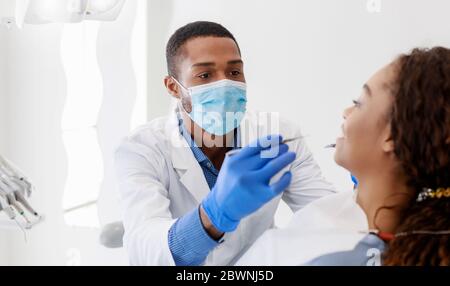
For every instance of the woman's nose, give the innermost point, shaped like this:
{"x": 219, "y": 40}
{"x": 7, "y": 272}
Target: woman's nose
{"x": 347, "y": 112}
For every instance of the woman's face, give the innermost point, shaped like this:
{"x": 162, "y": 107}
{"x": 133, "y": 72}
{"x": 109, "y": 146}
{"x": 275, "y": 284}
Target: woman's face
{"x": 365, "y": 143}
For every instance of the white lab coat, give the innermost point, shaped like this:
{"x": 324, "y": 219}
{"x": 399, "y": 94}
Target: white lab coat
{"x": 160, "y": 181}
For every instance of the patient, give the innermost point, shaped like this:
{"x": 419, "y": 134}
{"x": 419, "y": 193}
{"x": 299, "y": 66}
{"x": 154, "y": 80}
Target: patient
{"x": 396, "y": 141}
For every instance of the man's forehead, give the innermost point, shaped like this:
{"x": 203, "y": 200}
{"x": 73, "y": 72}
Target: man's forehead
{"x": 210, "y": 49}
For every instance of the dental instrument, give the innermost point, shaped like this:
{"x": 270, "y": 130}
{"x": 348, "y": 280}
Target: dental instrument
{"x": 235, "y": 151}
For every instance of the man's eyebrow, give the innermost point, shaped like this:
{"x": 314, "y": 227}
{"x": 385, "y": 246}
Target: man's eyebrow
{"x": 367, "y": 88}
{"x": 233, "y": 62}
{"x": 205, "y": 64}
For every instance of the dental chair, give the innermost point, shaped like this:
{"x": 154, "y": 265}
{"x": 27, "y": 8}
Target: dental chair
{"x": 111, "y": 235}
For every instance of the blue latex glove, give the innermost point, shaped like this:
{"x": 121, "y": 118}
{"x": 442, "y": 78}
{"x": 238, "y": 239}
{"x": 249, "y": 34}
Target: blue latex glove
{"x": 242, "y": 186}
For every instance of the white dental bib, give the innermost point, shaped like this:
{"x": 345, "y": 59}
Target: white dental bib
{"x": 331, "y": 224}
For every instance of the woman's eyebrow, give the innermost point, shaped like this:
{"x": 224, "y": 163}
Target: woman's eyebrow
{"x": 367, "y": 89}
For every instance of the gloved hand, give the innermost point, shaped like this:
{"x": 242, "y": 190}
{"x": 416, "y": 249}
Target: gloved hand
{"x": 242, "y": 186}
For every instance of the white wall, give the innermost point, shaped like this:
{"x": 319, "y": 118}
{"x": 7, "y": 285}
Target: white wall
{"x": 6, "y": 10}
{"x": 32, "y": 126}
{"x": 3, "y": 88}
{"x": 160, "y": 18}
{"x": 4, "y": 234}
{"x": 307, "y": 59}
{"x": 119, "y": 83}
{"x": 37, "y": 92}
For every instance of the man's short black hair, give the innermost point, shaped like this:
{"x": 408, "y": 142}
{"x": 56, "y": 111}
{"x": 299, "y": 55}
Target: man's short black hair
{"x": 188, "y": 32}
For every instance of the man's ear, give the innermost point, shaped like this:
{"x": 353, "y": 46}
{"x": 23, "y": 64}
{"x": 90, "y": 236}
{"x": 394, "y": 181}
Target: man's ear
{"x": 171, "y": 86}
{"x": 387, "y": 145}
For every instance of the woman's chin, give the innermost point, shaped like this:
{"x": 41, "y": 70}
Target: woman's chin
{"x": 338, "y": 156}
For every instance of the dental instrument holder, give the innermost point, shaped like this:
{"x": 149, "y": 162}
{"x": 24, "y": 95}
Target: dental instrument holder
{"x": 18, "y": 189}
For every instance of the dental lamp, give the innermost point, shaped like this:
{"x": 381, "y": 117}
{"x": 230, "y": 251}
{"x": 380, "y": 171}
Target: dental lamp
{"x": 66, "y": 11}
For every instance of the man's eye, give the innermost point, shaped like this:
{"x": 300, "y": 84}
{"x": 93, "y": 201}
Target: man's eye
{"x": 235, "y": 73}
{"x": 204, "y": 76}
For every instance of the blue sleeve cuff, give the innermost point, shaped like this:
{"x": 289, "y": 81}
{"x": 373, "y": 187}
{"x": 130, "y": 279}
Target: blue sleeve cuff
{"x": 188, "y": 240}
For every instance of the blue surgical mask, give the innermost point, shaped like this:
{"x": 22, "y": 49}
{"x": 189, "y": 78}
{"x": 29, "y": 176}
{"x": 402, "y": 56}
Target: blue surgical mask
{"x": 217, "y": 107}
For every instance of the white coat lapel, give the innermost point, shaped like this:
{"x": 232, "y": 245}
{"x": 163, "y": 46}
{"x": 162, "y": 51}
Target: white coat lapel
{"x": 184, "y": 162}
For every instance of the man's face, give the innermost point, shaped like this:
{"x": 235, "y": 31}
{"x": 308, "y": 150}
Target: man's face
{"x": 204, "y": 60}
{"x": 201, "y": 61}
{"x": 208, "y": 59}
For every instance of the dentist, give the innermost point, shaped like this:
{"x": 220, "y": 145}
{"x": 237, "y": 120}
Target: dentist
{"x": 185, "y": 202}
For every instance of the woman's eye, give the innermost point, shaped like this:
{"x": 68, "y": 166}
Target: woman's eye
{"x": 235, "y": 73}
{"x": 356, "y": 103}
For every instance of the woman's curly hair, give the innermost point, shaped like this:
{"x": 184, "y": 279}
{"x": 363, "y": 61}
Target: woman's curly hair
{"x": 420, "y": 126}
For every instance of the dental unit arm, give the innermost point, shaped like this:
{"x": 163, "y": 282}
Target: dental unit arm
{"x": 15, "y": 188}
